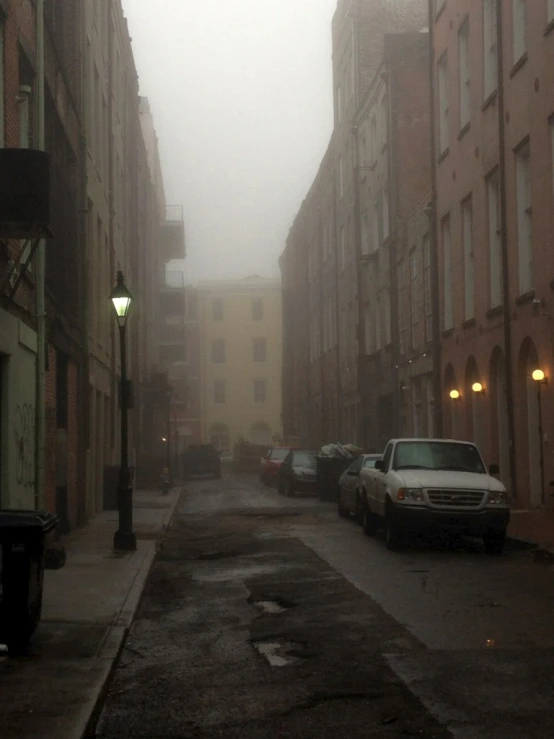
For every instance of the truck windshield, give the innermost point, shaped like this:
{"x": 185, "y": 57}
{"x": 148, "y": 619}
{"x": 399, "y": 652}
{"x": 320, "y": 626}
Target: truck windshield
{"x": 435, "y": 455}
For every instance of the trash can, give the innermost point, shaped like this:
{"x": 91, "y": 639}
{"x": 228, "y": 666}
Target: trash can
{"x": 22, "y": 544}
{"x": 329, "y": 470}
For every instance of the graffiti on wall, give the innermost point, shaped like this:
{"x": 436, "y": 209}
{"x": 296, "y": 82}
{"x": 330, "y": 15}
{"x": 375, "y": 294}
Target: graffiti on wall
{"x": 24, "y": 430}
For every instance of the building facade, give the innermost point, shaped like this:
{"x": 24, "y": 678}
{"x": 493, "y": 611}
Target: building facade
{"x": 494, "y": 92}
{"x": 240, "y": 361}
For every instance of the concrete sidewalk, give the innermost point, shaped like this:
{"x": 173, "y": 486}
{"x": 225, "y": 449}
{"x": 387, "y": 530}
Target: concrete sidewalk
{"x": 533, "y": 527}
{"x": 88, "y": 607}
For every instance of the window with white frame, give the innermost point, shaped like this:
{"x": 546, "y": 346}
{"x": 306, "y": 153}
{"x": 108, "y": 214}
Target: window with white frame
{"x": 444, "y": 105}
{"x": 469, "y": 263}
{"x": 341, "y": 178}
{"x": 260, "y": 391}
{"x": 448, "y": 308}
{"x": 490, "y": 48}
{"x": 495, "y": 240}
{"x": 342, "y": 248}
{"x": 427, "y": 286}
{"x": 465, "y": 74}
{"x": 413, "y": 298}
{"x": 524, "y": 218}
{"x": 519, "y": 27}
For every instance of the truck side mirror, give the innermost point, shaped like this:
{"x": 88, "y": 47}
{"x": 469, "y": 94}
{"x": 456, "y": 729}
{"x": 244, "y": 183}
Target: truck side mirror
{"x": 494, "y": 469}
{"x": 380, "y": 465}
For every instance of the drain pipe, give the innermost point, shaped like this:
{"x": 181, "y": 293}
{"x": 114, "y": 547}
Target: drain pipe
{"x": 504, "y": 248}
{"x": 40, "y": 413}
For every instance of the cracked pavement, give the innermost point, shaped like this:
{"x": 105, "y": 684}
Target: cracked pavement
{"x": 269, "y": 617}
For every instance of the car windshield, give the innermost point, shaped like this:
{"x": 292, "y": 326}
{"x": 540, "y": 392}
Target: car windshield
{"x": 278, "y": 454}
{"x": 304, "y": 459}
{"x": 429, "y": 455}
{"x": 370, "y": 461}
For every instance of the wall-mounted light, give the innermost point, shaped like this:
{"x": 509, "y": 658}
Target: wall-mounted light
{"x": 477, "y": 387}
{"x": 539, "y": 376}
{"x": 455, "y": 394}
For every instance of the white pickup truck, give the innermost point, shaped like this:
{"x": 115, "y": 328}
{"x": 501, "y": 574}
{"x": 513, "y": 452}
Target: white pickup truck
{"x": 425, "y": 484}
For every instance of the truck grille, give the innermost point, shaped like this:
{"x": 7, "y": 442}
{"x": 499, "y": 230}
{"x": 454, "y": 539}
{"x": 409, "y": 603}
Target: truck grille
{"x": 456, "y": 498}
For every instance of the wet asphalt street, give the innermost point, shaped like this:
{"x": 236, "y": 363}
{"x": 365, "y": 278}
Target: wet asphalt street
{"x": 270, "y": 617}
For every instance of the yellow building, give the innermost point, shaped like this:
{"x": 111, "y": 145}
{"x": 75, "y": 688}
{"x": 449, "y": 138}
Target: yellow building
{"x": 240, "y": 360}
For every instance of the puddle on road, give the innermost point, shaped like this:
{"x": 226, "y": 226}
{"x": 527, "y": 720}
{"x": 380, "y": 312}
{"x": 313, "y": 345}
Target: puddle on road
{"x": 243, "y": 572}
{"x": 208, "y": 556}
{"x": 278, "y": 654}
{"x": 269, "y": 606}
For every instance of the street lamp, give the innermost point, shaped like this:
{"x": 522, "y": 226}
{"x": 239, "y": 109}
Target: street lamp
{"x": 477, "y": 388}
{"x": 541, "y": 379}
{"x": 455, "y": 394}
{"x": 124, "y": 537}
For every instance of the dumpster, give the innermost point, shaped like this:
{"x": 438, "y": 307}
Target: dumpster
{"x": 22, "y": 544}
{"x": 329, "y": 470}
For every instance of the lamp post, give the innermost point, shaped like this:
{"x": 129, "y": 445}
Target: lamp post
{"x": 124, "y": 538}
{"x": 540, "y": 379}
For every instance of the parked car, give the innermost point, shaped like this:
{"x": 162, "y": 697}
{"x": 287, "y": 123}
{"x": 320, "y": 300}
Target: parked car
{"x": 425, "y": 484}
{"x": 349, "y": 497}
{"x": 271, "y": 464}
{"x": 298, "y": 472}
{"x": 201, "y": 459}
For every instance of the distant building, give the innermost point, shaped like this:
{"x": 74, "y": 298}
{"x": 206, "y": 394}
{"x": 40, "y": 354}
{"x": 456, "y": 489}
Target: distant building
{"x": 240, "y": 330}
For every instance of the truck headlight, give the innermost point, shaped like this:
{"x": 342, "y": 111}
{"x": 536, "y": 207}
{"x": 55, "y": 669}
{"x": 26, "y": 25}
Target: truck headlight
{"x": 413, "y": 495}
{"x": 496, "y": 497}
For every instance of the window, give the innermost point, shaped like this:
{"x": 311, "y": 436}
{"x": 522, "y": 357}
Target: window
{"x": 373, "y": 144}
{"x": 447, "y": 259}
{"x": 401, "y": 308}
{"x": 550, "y": 11}
{"x": 444, "y": 137}
{"x": 495, "y": 240}
{"x": 341, "y": 178}
{"x": 367, "y": 329}
{"x": 257, "y": 309}
{"x": 260, "y": 350}
{"x": 524, "y": 218}
{"x": 218, "y": 351}
{"x": 465, "y": 77}
{"x": 385, "y": 303}
{"x": 376, "y": 225}
{"x": 342, "y": 248}
{"x": 519, "y": 26}
{"x": 469, "y": 263}
{"x": 385, "y": 214}
{"x": 413, "y": 298}
{"x": 219, "y": 391}
{"x": 366, "y": 241}
{"x": 217, "y": 309}
{"x": 377, "y": 316}
{"x": 490, "y": 48}
{"x": 439, "y": 5}
{"x": 428, "y": 288}
{"x": 260, "y": 391}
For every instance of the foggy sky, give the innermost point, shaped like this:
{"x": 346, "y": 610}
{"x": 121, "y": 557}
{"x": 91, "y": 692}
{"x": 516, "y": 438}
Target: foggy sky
{"x": 241, "y": 94}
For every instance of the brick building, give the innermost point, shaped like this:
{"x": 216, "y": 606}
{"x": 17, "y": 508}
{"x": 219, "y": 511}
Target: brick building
{"x": 325, "y": 393}
{"x": 494, "y": 93}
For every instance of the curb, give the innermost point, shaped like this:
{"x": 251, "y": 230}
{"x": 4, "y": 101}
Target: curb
{"x": 122, "y": 624}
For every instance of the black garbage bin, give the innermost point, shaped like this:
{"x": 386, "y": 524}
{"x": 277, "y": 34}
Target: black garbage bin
{"x": 22, "y": 544}
{"x": 329, "y": 470}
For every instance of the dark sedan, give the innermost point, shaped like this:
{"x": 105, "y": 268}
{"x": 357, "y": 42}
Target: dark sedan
{"x": 298, "y": 473}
